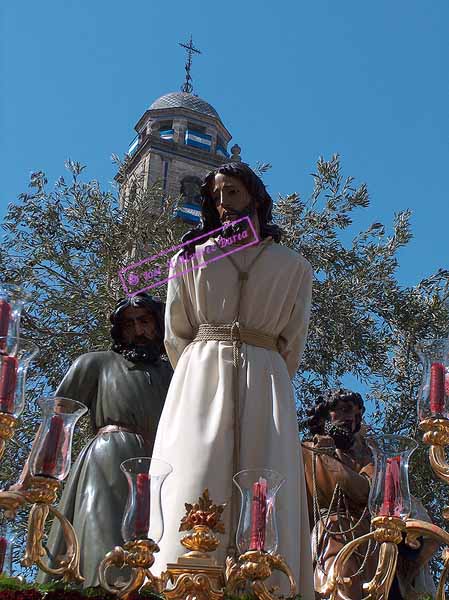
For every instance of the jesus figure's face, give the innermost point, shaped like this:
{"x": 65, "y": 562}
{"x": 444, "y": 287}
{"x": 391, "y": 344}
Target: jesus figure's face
{"x": 231, "y": 197}
{"x": 233, "y": 201}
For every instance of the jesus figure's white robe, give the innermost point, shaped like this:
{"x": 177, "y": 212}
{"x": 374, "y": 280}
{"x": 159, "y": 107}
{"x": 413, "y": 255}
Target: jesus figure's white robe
{"x": 195, "y": 433}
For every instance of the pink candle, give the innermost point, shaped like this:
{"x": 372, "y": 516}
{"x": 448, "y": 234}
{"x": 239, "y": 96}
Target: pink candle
{"x": 52, "y": 445}
{"x": 142, "y": 505}
{"x": 392, "y": 488}
{"x": 5, "y": 315}
{"x": 437, "y": 392}
{"x": 258, "y": 515}
{"x": 8, "y": 381}
{"x": 3, "y": 548}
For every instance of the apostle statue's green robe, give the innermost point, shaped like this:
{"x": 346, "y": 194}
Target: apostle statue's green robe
{"x": 122, "y": 394}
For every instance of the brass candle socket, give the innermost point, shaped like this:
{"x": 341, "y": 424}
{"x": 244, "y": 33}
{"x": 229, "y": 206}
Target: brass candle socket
{"x": 41, "y": 492}
{"x": 436, "y": 435}
{"x": 139, "y": 556}
{"x": 254, "y": 567}
{"x": 8, "y": 424}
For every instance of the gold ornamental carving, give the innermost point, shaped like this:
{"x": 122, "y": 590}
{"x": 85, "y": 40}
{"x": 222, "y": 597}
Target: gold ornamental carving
{"x": 196, "y": 574}
{"x": 8, "y": 425}
{"x": 189, "y": 586}
{"x": 204, "y": 518}
{"x": 254, "y": 567}
{"x": 139, "y": 556}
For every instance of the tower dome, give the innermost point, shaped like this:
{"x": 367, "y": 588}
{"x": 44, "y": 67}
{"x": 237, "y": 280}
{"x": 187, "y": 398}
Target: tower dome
{"x": 185, "y": 100}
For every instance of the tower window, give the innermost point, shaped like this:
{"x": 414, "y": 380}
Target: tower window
{"x": 191, "y": 190}
{"x": 196, "y": 127}
{"x": 166, "y": 130}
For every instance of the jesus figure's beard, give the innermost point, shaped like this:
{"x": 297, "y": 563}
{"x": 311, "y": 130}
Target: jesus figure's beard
{"x": 230, "y": 228}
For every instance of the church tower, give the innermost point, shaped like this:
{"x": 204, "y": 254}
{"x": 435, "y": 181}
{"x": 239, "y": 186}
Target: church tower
{"x": 180, "y": 138}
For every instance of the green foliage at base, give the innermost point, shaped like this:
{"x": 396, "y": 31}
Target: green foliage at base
{"x": 15, "y": 589}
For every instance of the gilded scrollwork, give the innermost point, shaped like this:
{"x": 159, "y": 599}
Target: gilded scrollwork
{"x": 8, "y": 424}
{"x": 139, "y": 556}
{"x": 255, "y": 567}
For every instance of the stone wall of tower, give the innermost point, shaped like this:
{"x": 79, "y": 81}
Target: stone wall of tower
{"x": 178, "y": 169}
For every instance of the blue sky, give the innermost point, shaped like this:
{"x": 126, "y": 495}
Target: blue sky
{"x": 292, "y": 80}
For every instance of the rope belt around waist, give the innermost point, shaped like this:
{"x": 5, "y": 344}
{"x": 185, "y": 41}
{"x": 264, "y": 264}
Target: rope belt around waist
{"x": 124, "y": 429}
{"x": 235, "y": 334}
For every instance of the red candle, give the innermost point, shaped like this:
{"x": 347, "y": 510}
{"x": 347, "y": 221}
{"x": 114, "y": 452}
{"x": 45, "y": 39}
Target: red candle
{"x": 142, "y": 505}
{"x": 258, "y": 515}
{"x": 437, "y": 392}
{"x": 52, "y": 445}
{"x": 5, "y": 315}
{"x": 8, "y": 381}
{"x": 392, "y": 488}
{"x": 3, "y": 547}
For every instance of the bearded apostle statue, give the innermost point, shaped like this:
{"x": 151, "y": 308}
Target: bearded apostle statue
{"x": 124, "y": 389}
{"x": 339, "y": 467}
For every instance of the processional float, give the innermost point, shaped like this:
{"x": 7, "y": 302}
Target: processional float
{"x": 197, "y": 574}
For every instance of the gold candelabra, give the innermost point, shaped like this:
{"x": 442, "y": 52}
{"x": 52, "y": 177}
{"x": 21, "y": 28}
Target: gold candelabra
{"x": 196, "y": 574}
{"x": 388, "y": 532}
{"x": 41, "y": 493}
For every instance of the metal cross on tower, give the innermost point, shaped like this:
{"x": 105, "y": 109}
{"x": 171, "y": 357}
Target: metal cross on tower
{"x": 191, "y": 50}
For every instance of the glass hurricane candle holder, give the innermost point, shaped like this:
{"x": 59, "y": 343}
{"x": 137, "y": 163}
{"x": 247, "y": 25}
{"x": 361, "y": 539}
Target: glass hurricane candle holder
{"x": 257, "y": 528}
{"x": 433, "y": 394}
{"x": 52, "y": 449}
{"x": 143, "y": 517}
{"x": 390, "y": 493}
{"x": 15, "y": 357}
{"x": 12, "y": 300}
{"x": 6, "y": 551}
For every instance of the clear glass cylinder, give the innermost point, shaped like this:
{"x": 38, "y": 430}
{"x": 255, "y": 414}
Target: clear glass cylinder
{"x": 390, "y": 492}
{"x": 6, "y": 552}
{"x": 52, "y": 449}
{"x": 433, "y": 394}
{"x": 257, "y": 528}
{"x": 12, "y": 300}
{"x": 143, "y": 518}
{"x": 15, "y": 357}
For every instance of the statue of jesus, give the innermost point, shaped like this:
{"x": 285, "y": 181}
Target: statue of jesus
{"x": 235, "y": 332}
